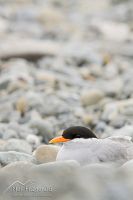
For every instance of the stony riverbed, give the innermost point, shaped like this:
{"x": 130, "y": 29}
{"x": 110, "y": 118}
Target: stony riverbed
{"x": 65, "y": 63}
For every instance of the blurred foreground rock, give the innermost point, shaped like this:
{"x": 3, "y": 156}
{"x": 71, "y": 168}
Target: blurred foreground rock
{"x": 67, "y": 180}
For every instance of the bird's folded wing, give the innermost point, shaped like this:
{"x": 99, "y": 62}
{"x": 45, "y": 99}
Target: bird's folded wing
{"x": 121, "y": 139}
{"x": 111, "y": 149}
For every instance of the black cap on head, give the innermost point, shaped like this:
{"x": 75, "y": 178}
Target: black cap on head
{"x": 78, "y": 132}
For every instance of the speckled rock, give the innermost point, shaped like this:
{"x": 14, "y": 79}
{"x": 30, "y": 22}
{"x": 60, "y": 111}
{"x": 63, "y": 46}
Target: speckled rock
{"x": 6, "y": 133}
{"x": 21, "y": 130}
{"x": 14, "y": 73}
{"x": 91, "y": 97}
{"x": 16, "y": 145}
{"x": 33, "y": 140}
{"x": 124, "y": 131}
{"x": 114, "y": 109}
{"x": 43, "y": 128}
{"x": 54, "y": 106}
{"x": 13, "y": 156}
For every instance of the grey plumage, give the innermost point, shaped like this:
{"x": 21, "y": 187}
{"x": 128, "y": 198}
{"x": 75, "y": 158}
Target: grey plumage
{"x": 93, "y": 150}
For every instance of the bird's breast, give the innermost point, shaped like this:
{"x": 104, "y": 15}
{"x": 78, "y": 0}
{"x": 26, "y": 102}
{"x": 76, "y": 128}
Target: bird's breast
{"x": 80, "y": 152}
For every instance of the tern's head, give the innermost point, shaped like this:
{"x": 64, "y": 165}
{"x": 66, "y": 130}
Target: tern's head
{"x": 72, "y": 133}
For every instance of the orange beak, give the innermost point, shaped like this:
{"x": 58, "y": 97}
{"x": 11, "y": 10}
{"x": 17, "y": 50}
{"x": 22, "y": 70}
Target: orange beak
{"x": 58, "y": 139}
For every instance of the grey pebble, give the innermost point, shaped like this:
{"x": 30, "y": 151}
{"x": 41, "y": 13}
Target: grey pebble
{"x": 13, "y": 156}
{"x": 16, "y": 145}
